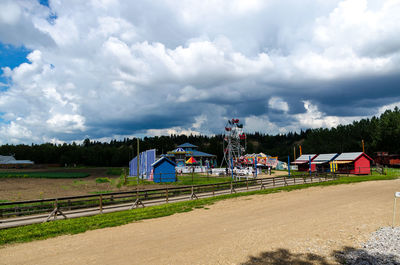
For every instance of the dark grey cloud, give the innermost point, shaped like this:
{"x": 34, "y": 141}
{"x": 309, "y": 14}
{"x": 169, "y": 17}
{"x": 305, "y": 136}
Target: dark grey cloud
{"x": 104, "y": 69}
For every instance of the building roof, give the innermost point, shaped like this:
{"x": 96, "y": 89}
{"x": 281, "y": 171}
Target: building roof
{"x": 351, "y": 156}
{"x": 9, "y": 160}
{"x": 186, "y": 145}
{"x": 161, "y": 160}
{"x": 305, "y": 157}
{"x": 6, "y": 158}
{"x": 323, "y": 158}
{"x": 199, "y": 153}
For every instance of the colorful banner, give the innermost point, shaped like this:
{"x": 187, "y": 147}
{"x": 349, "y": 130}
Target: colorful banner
{"x": 261, "y": 160}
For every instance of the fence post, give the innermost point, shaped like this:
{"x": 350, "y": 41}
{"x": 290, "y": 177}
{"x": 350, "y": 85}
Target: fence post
{"x": 101, "y": 203}
{"x": 247, "y": 184}
{"x": 193, "y": 195}
{"x": 213, "y": 188}
{"x": 294, "y": 179}
{"x": 304, "y": 179}
{"x": 55, "y": 207}
{"x": 273, "y": 181}
{"x": 166, "y": 194}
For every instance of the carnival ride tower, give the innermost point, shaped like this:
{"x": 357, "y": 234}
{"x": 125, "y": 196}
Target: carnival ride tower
{"x": 234, "y": 143}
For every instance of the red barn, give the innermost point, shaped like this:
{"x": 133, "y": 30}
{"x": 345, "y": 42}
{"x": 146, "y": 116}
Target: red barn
{"x": 357, "y": 163}
{"x": 303, "y": 162}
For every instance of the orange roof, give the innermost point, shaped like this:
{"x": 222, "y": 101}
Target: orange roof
{"x": 191, "y": 160}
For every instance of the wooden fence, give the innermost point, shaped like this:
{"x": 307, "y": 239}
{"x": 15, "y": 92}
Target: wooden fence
{"x": 139, "y": 198}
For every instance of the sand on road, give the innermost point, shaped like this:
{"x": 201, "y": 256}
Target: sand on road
{"x": 317, "y": 220}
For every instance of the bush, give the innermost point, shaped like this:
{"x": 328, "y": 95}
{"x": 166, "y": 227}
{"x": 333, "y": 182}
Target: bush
{"x": 103, "y": 180}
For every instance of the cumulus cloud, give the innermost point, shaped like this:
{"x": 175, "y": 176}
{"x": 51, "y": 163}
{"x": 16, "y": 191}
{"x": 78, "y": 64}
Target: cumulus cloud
{"x": 100, "y": 69}
{"x": 278, "y": 104}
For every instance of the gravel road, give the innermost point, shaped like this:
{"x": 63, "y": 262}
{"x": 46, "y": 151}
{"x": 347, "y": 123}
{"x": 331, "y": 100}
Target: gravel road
{"x": 299, "y": 227}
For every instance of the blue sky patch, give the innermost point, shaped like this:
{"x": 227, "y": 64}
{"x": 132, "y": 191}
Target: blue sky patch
{"x": 44, "y": 2}
{"x": 11, "y": 56}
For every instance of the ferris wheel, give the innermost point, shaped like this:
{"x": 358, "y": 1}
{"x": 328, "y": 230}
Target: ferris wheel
{"x": 234, "y": 144}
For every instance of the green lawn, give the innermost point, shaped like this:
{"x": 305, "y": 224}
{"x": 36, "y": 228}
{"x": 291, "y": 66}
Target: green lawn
{"x": 80, "y": 225}
{"x": 50, "y": 175}
{"x": 184, "y": 180}
{"x": 198, "y": 179}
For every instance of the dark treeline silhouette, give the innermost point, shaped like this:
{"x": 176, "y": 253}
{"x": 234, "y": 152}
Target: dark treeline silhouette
{"x": 379, "y": 134}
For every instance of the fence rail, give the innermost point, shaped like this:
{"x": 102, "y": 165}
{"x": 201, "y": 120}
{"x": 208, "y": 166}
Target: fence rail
{"x": 98, "y": 203}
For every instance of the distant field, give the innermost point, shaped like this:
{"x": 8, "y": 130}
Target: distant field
{"x": 49, "y": 175}
{"x": 116, "y": 171}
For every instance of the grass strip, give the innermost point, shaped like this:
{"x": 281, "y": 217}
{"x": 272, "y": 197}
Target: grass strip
{"x": 80, "y": 225}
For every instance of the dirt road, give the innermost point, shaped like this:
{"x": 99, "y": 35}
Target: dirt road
{"x": 259, "y": 229}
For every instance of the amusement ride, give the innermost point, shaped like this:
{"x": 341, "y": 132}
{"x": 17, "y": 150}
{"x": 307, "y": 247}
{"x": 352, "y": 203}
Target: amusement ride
{"x": 234, "y": 144}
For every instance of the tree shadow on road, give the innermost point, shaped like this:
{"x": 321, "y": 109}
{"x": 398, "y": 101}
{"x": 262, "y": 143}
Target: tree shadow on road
{"x": 346, "y": 255}
{"x": 284, "y": 256}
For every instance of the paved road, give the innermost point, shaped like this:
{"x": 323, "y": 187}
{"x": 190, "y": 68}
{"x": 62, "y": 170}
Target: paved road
{"x": 26, "y": 220}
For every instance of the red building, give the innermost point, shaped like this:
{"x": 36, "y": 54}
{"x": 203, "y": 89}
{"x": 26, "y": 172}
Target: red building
{"x": 303, "y": 162}
{"x": 357, "y": 163}
{"x": 384, "y": 159}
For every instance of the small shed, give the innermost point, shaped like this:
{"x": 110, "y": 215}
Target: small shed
{"x": 164, "y": 170}
{"x": 357, "y": 163}
{"x": 303, "y": 162}
{"x": 321, "y": 162}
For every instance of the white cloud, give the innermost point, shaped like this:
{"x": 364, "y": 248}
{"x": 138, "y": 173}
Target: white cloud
{"x": 106, "y": 68}
{"x": 313, "y": 118}
{"x": 262, "y": 124}
{"x": 10, "y": 12}
{"x": 278, "y": 104}
{"x": 66, "y": 123}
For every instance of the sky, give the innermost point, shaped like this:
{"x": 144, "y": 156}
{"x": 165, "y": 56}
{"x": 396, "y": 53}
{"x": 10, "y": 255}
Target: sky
{"x": 108, "y": 69}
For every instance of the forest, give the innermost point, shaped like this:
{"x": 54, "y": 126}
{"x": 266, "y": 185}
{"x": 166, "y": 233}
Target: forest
{"x": 379, "y": 134}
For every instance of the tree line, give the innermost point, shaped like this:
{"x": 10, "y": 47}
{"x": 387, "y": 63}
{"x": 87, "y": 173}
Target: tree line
{"x": 379, "y": 134}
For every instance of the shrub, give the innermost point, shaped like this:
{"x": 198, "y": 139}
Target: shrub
{"x": 103, "y": 180}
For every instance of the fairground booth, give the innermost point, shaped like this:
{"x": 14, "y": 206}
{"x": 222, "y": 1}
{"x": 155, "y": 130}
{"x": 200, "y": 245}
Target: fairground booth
{"x": 357, "y": 163}
{"x": 261, "y": 159}
{"x": 164, "y": 170}
{"x": 322, "y": 162}
{"x": 303, "y": 162}
{"x": 187, "y": 150}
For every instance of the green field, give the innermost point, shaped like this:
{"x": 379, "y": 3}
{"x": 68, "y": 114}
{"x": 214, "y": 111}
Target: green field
{"x": 80, "y": 225}
{"x": 49, "y": 175}
{"x": 184, "y": 180}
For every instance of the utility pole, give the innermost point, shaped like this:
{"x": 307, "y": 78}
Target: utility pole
{"x": 137, "y": 160}
{"x": 138, "y": 201}
{"x": 294, "y": 153}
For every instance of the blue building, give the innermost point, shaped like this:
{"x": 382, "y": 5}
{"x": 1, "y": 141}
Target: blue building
{"x": 187, "y": 150}
{"x": 164, "y": 170}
